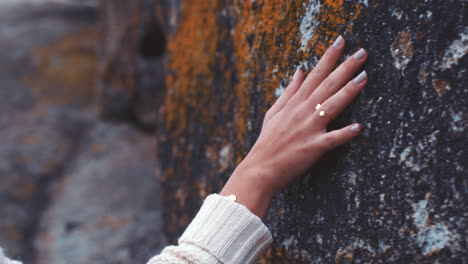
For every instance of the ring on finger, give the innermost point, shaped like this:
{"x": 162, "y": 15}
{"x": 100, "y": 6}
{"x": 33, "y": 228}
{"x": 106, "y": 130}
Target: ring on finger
{"x": 322, "y": 112}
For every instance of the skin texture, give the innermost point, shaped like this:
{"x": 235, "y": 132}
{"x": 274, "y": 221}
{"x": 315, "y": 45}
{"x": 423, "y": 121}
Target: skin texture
{"x": 293, "y": 135}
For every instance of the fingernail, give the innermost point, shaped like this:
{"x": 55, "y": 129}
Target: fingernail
{"x": 338, "y": 41}
{"x": 360, "y": 78}
{"x": 355, "y": 128}
{"x": 359, "y": 54}
{"x": 296, "y": 74}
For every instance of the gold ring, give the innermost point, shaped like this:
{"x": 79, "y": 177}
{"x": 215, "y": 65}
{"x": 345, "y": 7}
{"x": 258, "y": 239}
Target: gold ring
{"x": 321, "y": 113}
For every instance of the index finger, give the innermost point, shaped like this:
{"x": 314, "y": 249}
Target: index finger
{"x": 323, "y": 68}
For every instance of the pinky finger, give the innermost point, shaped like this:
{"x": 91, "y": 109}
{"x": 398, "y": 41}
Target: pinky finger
{"x": 339, "y": 137}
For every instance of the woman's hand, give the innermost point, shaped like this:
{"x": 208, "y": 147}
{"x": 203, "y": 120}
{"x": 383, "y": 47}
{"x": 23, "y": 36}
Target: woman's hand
{"x": 294, "y": 134}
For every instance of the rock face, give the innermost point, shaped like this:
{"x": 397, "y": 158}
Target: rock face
{"x": 398, "y": 193}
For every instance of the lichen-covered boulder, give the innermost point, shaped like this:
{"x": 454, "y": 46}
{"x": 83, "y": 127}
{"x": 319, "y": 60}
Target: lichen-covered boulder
{"x": 395, "y": 194}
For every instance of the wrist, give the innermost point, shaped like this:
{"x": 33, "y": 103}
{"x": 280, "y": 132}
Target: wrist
{"x": 250, "y": 190}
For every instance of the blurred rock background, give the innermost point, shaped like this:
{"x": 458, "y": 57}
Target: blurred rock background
{"x": 118, "y": 118}
{"x": 74, "y": 187}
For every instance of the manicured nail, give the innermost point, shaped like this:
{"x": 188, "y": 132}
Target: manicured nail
{"x": 359, "y": 54}
{"x": 296, "y": 74}
{"x": 355, "y": 128}
{"x": 360, "y": 78}
{"x": 338, "y": 41}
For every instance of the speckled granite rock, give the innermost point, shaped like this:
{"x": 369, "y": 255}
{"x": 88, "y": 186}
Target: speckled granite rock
{"x": 397, "y": 194}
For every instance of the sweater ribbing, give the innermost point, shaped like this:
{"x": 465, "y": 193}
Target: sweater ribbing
{"x": 228, "y": 231}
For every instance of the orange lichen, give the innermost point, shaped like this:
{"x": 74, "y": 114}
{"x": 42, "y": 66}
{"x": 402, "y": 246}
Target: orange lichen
{"x": 422, "y": 76}
{"x": 202, "y": 190}
{"x": 112, "y": 221}
{"x": 333, "y": 20}
{"x": 24, "y": 192}
{"x": 66, "y": 70}
{"x": 402, "y": 49}
{"x": 97, "y": 148}
{"x": 440, "y": 86}
{"x": 12, "y": 234}
{"x": 30, "y": 139}
{"x": 280, "y": 211}
{"x": 192, "y": 60}
{"x": 277, "y": 255}
{"x": 181, "y": 196}
{"x": 345, "y": 255}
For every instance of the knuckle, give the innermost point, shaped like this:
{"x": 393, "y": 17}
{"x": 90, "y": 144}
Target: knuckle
{"x": 319, "y": 71}
{"x": 296, "y": 117}
{"x": 293, "y": 102}
{"x": 347, "y": 91}
{"x": 331, "y": 81}
{"x": 315, "y": 118}
{"x": 329, "y": 141}
{"x": 290, "y": 90}
{"x": 286, "y": 91}
{"x": 349, "y": 63}
{"x": 297, "y": 113}
{"x": 267, "y": 117}
{"x": 347, "y": 66}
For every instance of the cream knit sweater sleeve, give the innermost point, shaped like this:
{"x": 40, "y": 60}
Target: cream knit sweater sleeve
{"x": 223, "y": 231}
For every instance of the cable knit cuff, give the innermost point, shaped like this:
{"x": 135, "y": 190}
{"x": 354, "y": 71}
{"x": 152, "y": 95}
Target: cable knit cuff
{"x": 228, "y": 231}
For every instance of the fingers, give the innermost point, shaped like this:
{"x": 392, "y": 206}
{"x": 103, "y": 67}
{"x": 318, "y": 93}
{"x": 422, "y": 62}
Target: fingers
{"x": 287, "y": 94}
{"x": 334, "y": 105}
{"x": 338, "y": 77}
{"x": 322, "y": 69}
{"x": 339, "y": 137}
